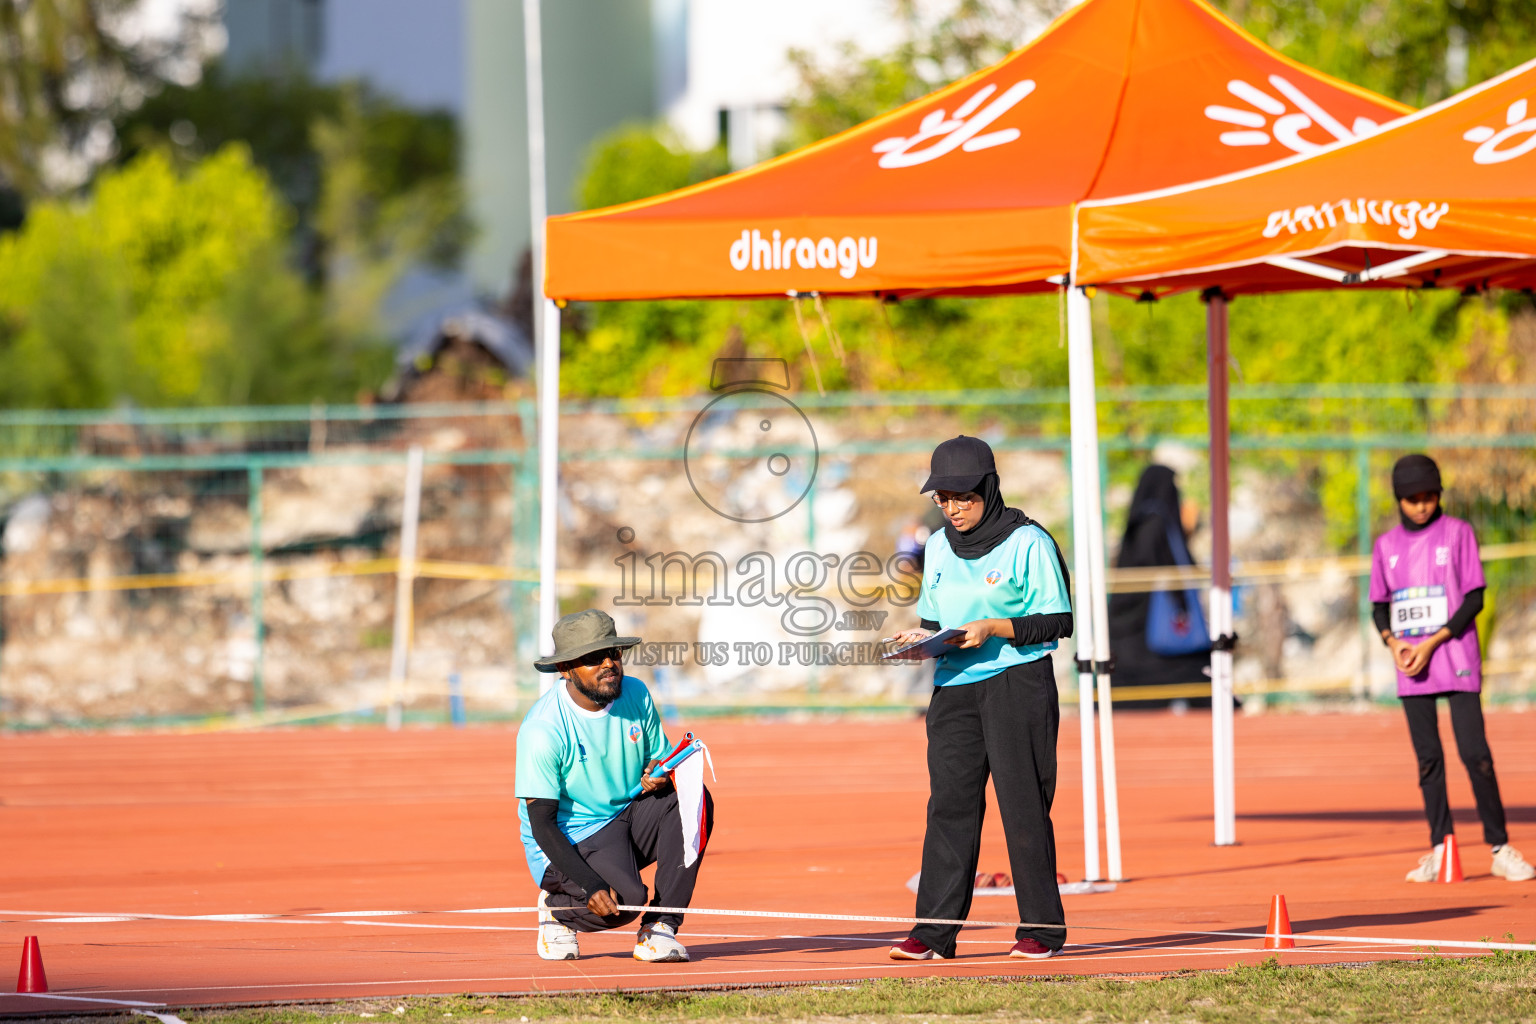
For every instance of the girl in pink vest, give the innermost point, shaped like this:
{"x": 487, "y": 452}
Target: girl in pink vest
{"x": 1426, "y": 590}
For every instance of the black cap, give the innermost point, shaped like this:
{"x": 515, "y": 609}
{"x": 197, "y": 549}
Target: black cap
{"x": 1415, "y": 474}
{"x": 959, "y": 464}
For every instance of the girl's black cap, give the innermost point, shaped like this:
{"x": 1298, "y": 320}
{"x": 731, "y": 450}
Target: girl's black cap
{"x": 1415, "y": 474}
{"x": 959, "y": 464}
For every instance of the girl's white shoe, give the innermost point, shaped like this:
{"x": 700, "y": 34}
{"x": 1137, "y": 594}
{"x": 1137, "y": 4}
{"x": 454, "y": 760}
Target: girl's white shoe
{"x": 1429, "y": 866}
{"x": 1508, "y": 864}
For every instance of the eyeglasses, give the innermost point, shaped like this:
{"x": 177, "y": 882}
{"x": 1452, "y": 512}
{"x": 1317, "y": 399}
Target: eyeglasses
{"x": 598, "y": 657}
{"x": 960, "y": 503}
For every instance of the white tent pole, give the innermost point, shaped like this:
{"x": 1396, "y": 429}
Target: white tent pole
{"x": 1103, "y": 667}
{"x": 1222, "y": 741}
{"x": 1082, "y": 412}
{"x": 1094, "y": 612}
{"x": 546, "y": 332}
{"x": 405, "y": 582}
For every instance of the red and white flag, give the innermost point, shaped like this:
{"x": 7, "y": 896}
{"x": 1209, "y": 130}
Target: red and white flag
{"x": 688, "y": 779}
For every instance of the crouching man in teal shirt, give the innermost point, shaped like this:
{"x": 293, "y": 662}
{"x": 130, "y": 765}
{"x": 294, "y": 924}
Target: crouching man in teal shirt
{"x": 581, "y": 750}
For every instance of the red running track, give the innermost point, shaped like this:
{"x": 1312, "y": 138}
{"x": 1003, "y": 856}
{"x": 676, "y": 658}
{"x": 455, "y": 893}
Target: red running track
{"x": 311, "y": 821}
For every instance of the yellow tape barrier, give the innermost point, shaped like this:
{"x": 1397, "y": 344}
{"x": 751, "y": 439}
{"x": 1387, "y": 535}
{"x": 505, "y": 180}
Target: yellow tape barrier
{"x": 277, "y": 574}
{"x": 1121, "y": 581}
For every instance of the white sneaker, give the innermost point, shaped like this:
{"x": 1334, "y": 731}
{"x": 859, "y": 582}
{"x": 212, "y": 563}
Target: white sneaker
{"x": 1429, "y": 866}
{"x": 556, "y": 941}
{"x": 1508, "y": 863}
{"x": 657, "y": 944}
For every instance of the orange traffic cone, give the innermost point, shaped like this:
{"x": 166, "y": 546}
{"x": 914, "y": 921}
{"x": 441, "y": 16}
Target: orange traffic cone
{"x": 31, "y": 978}
{"x": 1278, "y": 933}
{"x": 1450, "y": 862}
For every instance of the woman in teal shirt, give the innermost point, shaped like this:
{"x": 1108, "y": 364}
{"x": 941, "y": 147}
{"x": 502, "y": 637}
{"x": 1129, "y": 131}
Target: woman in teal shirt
{"x": 999, "y": 577}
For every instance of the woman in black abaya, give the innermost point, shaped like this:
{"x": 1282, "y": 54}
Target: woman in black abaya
{"x": 1154, "y": 536}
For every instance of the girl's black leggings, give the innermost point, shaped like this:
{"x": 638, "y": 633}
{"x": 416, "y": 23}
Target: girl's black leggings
{"x": 1472, "y": 745}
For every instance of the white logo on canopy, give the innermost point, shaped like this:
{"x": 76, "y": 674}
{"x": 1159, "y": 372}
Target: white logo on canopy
{"x": 1290, "y": 120}
{"x": 1516, "y": 123}
{"x": 938, "y": 134}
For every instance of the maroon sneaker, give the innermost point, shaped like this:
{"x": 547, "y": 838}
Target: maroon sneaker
{"x": 1029, "y": 949}
{"x": 911, "y": 949}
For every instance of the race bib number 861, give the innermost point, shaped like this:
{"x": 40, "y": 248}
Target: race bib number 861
{"x": 1419, "y": 611}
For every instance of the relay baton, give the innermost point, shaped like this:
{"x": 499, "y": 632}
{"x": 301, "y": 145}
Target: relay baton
{"x": 688, "y": 749}
{"x": 686, "y": 741}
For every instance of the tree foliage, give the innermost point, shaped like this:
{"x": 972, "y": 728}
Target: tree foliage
{"x": 936, "y": 50}
{"x": 170, "y": 279}
{"x": 1416, "y": 51}
{"x": 294, "y": 128}
{"x": 163, "y": 288}
{"x": 67, "y": 68}
{"x": 637, "y": 161}
{"x": 374, "y": 219}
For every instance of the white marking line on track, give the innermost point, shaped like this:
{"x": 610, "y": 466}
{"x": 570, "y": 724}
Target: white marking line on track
{"x": 1317, "y": 937}
{"x": 329, "y": 917}
{"x": 1176, "y": 952}
{"x": 98, "y": 917}
{"x": 163, "y": 1018}
{"x": 663, "y": 976}
{"x": 81, "y": 999}
{"x": 445, "y": 927}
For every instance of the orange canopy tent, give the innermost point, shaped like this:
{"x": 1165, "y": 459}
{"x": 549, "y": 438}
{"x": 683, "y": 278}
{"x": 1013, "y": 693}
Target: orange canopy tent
{"x": 1445, "y": 197}
{"x": 971, "y": 189}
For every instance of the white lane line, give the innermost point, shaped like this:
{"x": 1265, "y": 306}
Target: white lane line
{"x": 163, "y": 1018}
{"x": 81, "y": 999}
{"x": 68, "y": 917}
{"x": 342, "y": 917}
{"x": 445, "y": 927}
{"x": 661, "y": 977}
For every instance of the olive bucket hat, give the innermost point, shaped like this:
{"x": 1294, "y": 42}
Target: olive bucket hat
{"x": 581, "y": 633}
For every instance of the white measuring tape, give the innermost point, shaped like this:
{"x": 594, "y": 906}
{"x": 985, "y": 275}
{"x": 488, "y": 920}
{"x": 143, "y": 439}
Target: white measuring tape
{"x": 341, "y": 916}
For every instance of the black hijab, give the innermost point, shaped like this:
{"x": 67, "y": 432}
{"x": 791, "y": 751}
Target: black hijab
{"x": 1156, "y": 497}
{"x": 997, "y": 523}
{"x": 1413, "y": 527}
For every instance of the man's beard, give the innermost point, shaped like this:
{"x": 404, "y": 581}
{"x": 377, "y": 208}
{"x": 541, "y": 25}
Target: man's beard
{"x": 600, "y": 697}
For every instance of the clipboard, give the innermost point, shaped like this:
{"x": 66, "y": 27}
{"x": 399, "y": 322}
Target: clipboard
{"x": 933, "y": 647}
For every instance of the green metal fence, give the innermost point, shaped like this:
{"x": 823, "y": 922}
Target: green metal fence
{"x": 188, "y": 565}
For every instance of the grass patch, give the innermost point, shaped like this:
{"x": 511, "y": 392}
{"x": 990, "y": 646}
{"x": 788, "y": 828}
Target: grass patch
{"x": 1487, "y": 990}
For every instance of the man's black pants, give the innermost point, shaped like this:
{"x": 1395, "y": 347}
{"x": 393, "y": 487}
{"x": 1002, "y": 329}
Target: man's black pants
{"x": 1005, "y": 726}
{"x": 1472, "y": 745}
{"x": 647, "y": 832}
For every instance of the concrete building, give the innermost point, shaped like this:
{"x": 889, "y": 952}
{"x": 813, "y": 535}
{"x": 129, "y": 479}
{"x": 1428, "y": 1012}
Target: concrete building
{"x": 600, "y": 61}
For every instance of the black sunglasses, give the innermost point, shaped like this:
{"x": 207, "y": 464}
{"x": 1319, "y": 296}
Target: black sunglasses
{"x": 600, "y": 656}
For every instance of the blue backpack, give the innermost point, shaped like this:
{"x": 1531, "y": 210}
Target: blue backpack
{"x": 1173, "y": 631}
